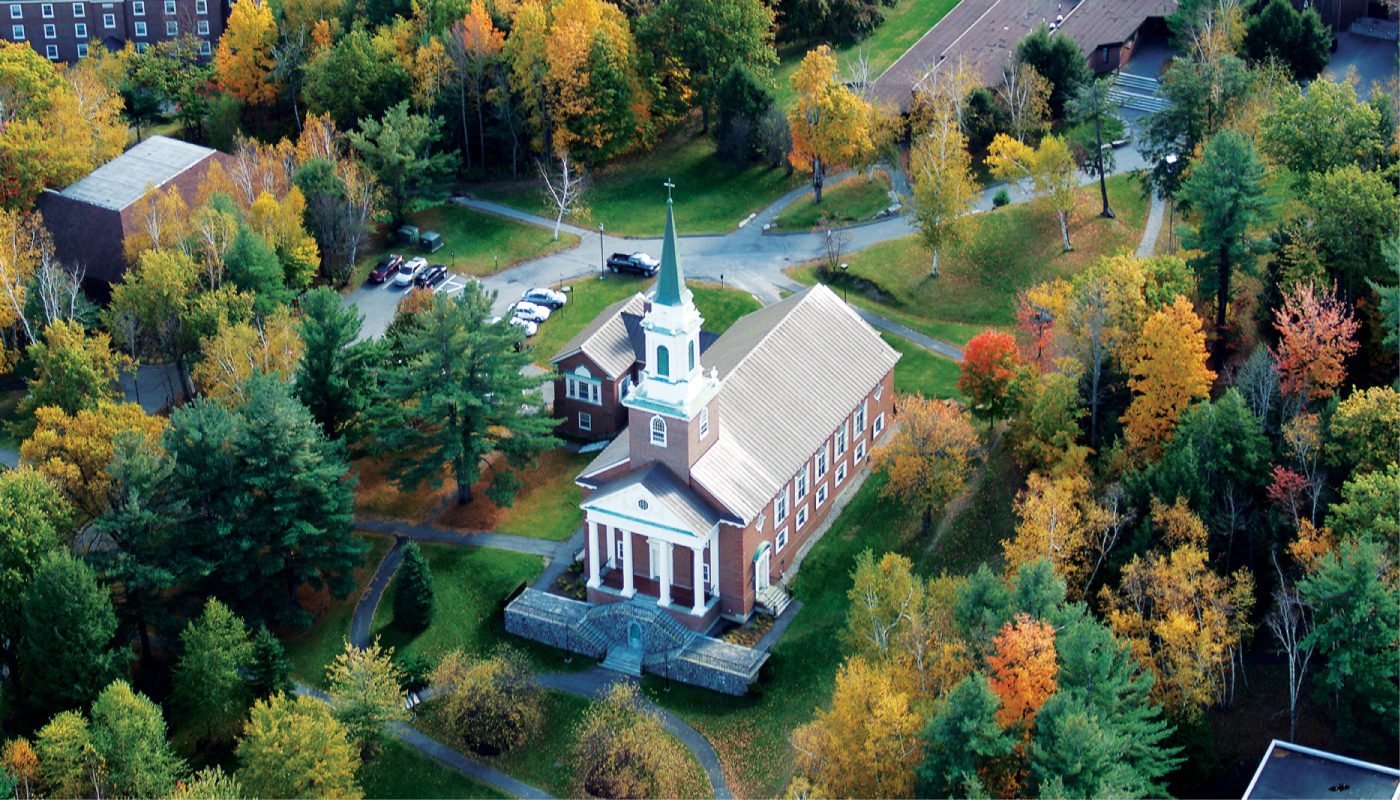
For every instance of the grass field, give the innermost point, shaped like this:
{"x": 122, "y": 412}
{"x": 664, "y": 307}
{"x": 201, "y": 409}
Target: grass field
{"x": 973, "y": 537}
{"x": 469, "y": 586}
{"x": 922, "y": 372}
{"x": 711, "y": 196}
{"x": 312, "y": 650}
{"x": 589, "y": 296}
{"x": 474, "y": 242}
{"x": 546, "y": 507}
{"x": 904, "y": 25}
{"x": 1010, "y": 249}
{"x": 399, "y": 771}
{"x": 855, "y": 199}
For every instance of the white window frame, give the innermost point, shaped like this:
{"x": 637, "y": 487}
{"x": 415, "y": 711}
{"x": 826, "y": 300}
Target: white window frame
{"x": 204, "y": 47}
{"x": 79, "y": 10}
{"x": 879, "y": 390}
{"x": 704, "y": 422}
{"x": 879, "y": 423}
{"x": 860, "y": 417}
{"x": 780, "y": 507}
{"x": 860, "y": 451}
{"x": 619, "y": 546}
{"x": 172, "y": 28}
{"x": 704, "y": 574}
{"x": 821, "y": 495}
{"x": 141, "y": 47}
{"x": 201, "y": 6}
{"x": 109, "y": 21}
{"x": 802, "y": 483}
{"x": 201, "y": 27}
{"x": 17, "y": 32}
{"x": 138, "y": 8}
{"x": 50, "y": 32}
{"x": 80, "y": 30}
{"x": 580, "y": 384}
{"x": 585, "y": 421}
{"x": 840, "y": 473}
{"x": 802, "y": 516}
{"x": 658, "y": 431}
{"x": 51, "y": 52}
{"x": 140, "y": 28}
{"x": 16, "y": 11}
{"x": 46, "y": 10}
{"x": 82, "y": 50}
{"x": 823, "y": 461}
{"x": 780, "y": 540}
{"x": 169, "y": 8}
{"x": 841, "y": 439}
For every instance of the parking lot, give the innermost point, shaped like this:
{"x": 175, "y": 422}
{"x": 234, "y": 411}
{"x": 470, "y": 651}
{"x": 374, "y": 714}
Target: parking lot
{"x": 378, "y": 301}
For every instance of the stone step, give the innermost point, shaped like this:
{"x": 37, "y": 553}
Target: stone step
{"x": 1138, "y": 102}
{"x": 627, "y": 660}
{"x": 774, "y": 600}
{"x": 1137, "y": 83}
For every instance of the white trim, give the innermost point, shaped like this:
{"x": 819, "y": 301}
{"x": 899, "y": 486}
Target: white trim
{"x": 658, "y": 431}
{"x": 1278, "y": 744}
{"x": 821, "y": 494}
{"x": 802, "y": 517}
{"x": 780, "y": 540}
{"x": 51, "y": 32}
{"x": 861, "y": 416}
{"x": 82, "y": 50}
{"x": 879, "y": 427}
{"x": 585, "y": 421}
{"x": 172, "y": 28}
{"x": 46, "y": 10}
{"x": 51, "y": 52}
{"x": 79, "y": 10}
{"x": 842, "y": 438}
{"x": 840, "y": 472}
{"x": 704, "y": 422}
{"x": 80, "y": 30}
{"x": 138, "y": 8}
{"x": 140, "y": 28}
{"x": 16, "y": 11}
{"x": 202, "y": 27}
{"x": 860, "y": 451}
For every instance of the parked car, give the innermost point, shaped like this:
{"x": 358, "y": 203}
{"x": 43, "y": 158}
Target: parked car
{"x": 530, "y": 311}
{"x": 549, "y": 298}
{"x": 409, "y": 270}
{"x": 637, "y": 263}
{"x": 431, "y": 276}
{"x": 386, "y": 267}
{"x": 530, "y": 328}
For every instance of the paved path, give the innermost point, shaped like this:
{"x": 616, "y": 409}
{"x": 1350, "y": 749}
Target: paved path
{"x": 420, "y": 532}
{"x": 1154, "y": 227}
{"x": 362, "y": 619}
{"x": 927, "y": 342}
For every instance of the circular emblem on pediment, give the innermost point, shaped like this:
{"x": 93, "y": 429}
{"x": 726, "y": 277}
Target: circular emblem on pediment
{"x": 642, "y": 504}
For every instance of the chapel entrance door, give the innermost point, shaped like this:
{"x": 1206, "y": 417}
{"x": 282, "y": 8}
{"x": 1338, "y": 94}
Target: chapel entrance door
{"x": 634, "y": 635}
{"x": 760, "y": 569}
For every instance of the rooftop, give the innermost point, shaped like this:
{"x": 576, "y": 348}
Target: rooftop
{"x": 124, "y": 180}
{"x": 1290, "y": 771}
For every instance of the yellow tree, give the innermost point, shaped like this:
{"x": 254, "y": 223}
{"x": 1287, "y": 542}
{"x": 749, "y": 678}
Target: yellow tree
{"x": 1050, "y": 168}
{"x": 930, "y": 455}
{"x": 940, "y": 174}
{"x": 244, "y": 61}
{"x": 1182, "y": 620}
{"x": 1059, "y": 521}
{"x": 526, "y": 54}
{"x": 591, "y": 56}
{"x": 473, "y": 45}
{"x": 236, "y": 351}
{"x": 883, "y": 596}
{"x": 162, "y": 222}
{"x": 867, "y": 743}
{"x": 24, "y": 243}
{"x": 75, "y": 450}
{"x": 831, "y": 125}
{"x": 1168, "y": 369}
{"x": 1021, "y": 670}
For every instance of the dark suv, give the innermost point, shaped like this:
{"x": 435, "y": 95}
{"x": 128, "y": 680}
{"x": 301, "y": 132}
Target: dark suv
{"x": 386, "y": 267}
{"x": 638, "y": 263}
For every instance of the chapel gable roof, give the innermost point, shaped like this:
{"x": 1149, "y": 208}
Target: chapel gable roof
{"x": 655, "y": 495}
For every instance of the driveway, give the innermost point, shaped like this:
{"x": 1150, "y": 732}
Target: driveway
{"x": 1372, "y": 57}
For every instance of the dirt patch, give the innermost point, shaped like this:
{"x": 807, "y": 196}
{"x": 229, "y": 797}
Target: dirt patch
{"x": 748, "y": 634}
{"x": 376, "y": 494}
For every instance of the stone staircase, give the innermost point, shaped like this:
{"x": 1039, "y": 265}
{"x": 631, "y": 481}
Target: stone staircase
{"x": 774, "y": 599}
{"x": 1138, "y": 93}
{"x": 627, "y": 660}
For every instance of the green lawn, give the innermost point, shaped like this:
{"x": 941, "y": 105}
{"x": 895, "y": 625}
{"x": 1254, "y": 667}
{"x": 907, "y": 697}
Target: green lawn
{"x": 589, "y": 296}
{"x": 312, "y": 650}
{"x": 903, "y": 26}
{"x": 474, "y": 242}
{"x": 973, "y": 537}
{"x": 855, "y": 199}
{"x": 1010, "y": 249}
{"x": 399, "y": 771}
{"x": 711, "y": 196}
{"x": 546, "y": 507}
{"x": 922, "y": 372}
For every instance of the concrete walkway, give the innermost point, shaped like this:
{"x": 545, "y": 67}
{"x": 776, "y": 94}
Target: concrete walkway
{"x": 420, "y": 532}
{"x": 1153, "y": 228}
{"x": 938, "y": 346}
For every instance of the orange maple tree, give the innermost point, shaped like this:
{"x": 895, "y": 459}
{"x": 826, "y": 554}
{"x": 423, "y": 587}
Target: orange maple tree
{"x": 1316, "y": 333}
{"x": 929, "y": 457}
{"x": 1023, "y": 668}
{"x": 244, "y": 60}
{"x": 1168, "y": 373}
{"x": 990, "y": 363}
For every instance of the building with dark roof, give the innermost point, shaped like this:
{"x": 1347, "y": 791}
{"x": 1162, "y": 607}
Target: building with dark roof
{"x": 66, "y": 30}
{"x": 1293, "y": 772}
{"x": 91, "y": 219}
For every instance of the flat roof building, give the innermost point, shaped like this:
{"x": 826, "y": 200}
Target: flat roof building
{"x": 1292, "y": 772}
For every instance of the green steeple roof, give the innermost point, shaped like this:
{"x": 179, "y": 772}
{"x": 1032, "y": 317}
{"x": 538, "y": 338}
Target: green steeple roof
{"x": 670, "y": 286}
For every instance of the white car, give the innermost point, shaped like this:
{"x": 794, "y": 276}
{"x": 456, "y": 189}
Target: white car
{"x": 530, "y": 328}
{"x": 530, "y": 312}
{"x": 409, "y": 271}
{"x": 549, "y": 298}
{"x": 646, "y": 260}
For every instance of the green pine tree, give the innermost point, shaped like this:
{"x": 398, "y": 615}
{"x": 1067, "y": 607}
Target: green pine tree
{"x": 208, "y": 683}
{"x": 333, "y": 380}
{"x": 962, "y": 736}
{"x": 66, "y": 653}
{"x": 455, "y": 394}
{"x": 269, "y": 671}
{"x": 413, "y": 591}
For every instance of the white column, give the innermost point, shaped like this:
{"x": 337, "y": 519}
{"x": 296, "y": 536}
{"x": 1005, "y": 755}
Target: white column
{"x": 667, "y": 559}
{"x": 591, "y": 532}
{"x": 627, "y": 588}
{"x": 611, "y": 532}
{"x": 697, "y": 553}
{"x": 714, "y": 565}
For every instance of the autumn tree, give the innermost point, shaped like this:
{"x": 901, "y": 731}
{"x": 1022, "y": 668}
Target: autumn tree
{"x": 75, "y": 450}
{"x": 1045, "y": 430}
{"x": 154, "y": 298}
{"x": 1182, "y": 619}
{"x": 73, "y": 370}
{"x": 21, "y": 766}
{"x": 493, "y": 704}
{"x": 162, "y": 223}
{"x": 245, "y": 60}
{"x": 621, "y": 750}
{"x": 1060, "y": 521}
{"x": 930, "y": 456}
{"x": 1316, "y": 333}
{"x": 1025, "y": 94}
{"x": 1169, "y": 372}
{"x": 943, "y": 187}
{"x": 1364, "y": 432}
{"x": 831, "y": 125}
{"x": 867, "y": 743}
{"x": 240, "y": 350}
{"x": 1021, "y": 670}
{"x": 366, "y": 693}
{"x": 594, "y": 91}
{"x": 473, "y": 44}
{"x": 1049, "y": 167}
{"x": 296, "y": 748}
{"x": 69, "y": 764}
{"x": 24, "y": 244}
{"x": 129, "y": 735}
{"x": 991, "y": 362}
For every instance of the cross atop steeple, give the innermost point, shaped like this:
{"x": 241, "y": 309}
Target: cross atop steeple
{"x": 669, "y": 186}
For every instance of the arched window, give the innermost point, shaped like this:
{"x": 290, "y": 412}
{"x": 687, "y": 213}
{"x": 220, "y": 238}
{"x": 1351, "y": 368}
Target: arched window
{"x": 663, "y": 362}
{"x": 692, "y": 357}
{"x": 582, "y": 371}
{"x": 658, "y": 431}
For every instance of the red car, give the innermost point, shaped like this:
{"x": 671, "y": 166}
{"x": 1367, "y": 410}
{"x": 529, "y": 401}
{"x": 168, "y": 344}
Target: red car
{"x": 386, "y": 267}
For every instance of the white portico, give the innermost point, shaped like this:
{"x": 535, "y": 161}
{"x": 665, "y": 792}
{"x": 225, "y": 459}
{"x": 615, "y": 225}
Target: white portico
{"x": 648, "y": 534}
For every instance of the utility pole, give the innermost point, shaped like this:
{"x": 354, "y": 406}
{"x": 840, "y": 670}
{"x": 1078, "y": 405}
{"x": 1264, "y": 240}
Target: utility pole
{"x": 602, "y": 259}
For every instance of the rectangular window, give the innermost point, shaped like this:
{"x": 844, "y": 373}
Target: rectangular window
{"x": 79, "y": 10}
{"x": 52, "y": 52}
{"x": 16, "y": 11}
{"x": 801, "y": 517}
{"x": 841, "y": 440}
{"x": 585, "y": 421}
{"x": 619, "y": 547}
{"x": 780, "y": 507}
{"x": 802, "y": 483}
{"x": 780, "y": 542}
{"x": 82, "y": 50}
{"x": 204, "y": 48}
{"x": 704, "y": 422}
{"x": 169, "y": 8}
{"x": 821, "y": 494}
{"x": 821, "y": 462}
{"x": 879, "y": 390}
{"x": 860, "y": 418}
{"x": 704, "y": 574}
{"x": 141, "y": 47}
{"x": 46, "y": 10}
{"x": 17, "y": 32}
{"x": 80, "y": 30}
{"x": 202, "y": 27}
{"x": 879, "y": 423}
{"x": 172, "y": 28}
{"x": 860, "y": 451}
{"x": 140, "y": 30}
{"x": 201, "y": 6}
{"x": 109, "y": 20}
{"x": 841, "y": 473}
{"x": 575, "y": 388}
{"x": 138, "y": 9}
{"x": 50, "y": 31}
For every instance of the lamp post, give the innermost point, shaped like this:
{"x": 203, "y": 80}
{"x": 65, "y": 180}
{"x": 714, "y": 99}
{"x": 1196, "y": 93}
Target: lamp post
{"x": 453, "y": 254}
{"x": 844, "y": 298}
{"x": 602, "y": 260}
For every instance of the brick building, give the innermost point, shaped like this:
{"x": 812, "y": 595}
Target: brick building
{"x": 732, "y": 454}
{"x": 66, "y": 30}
